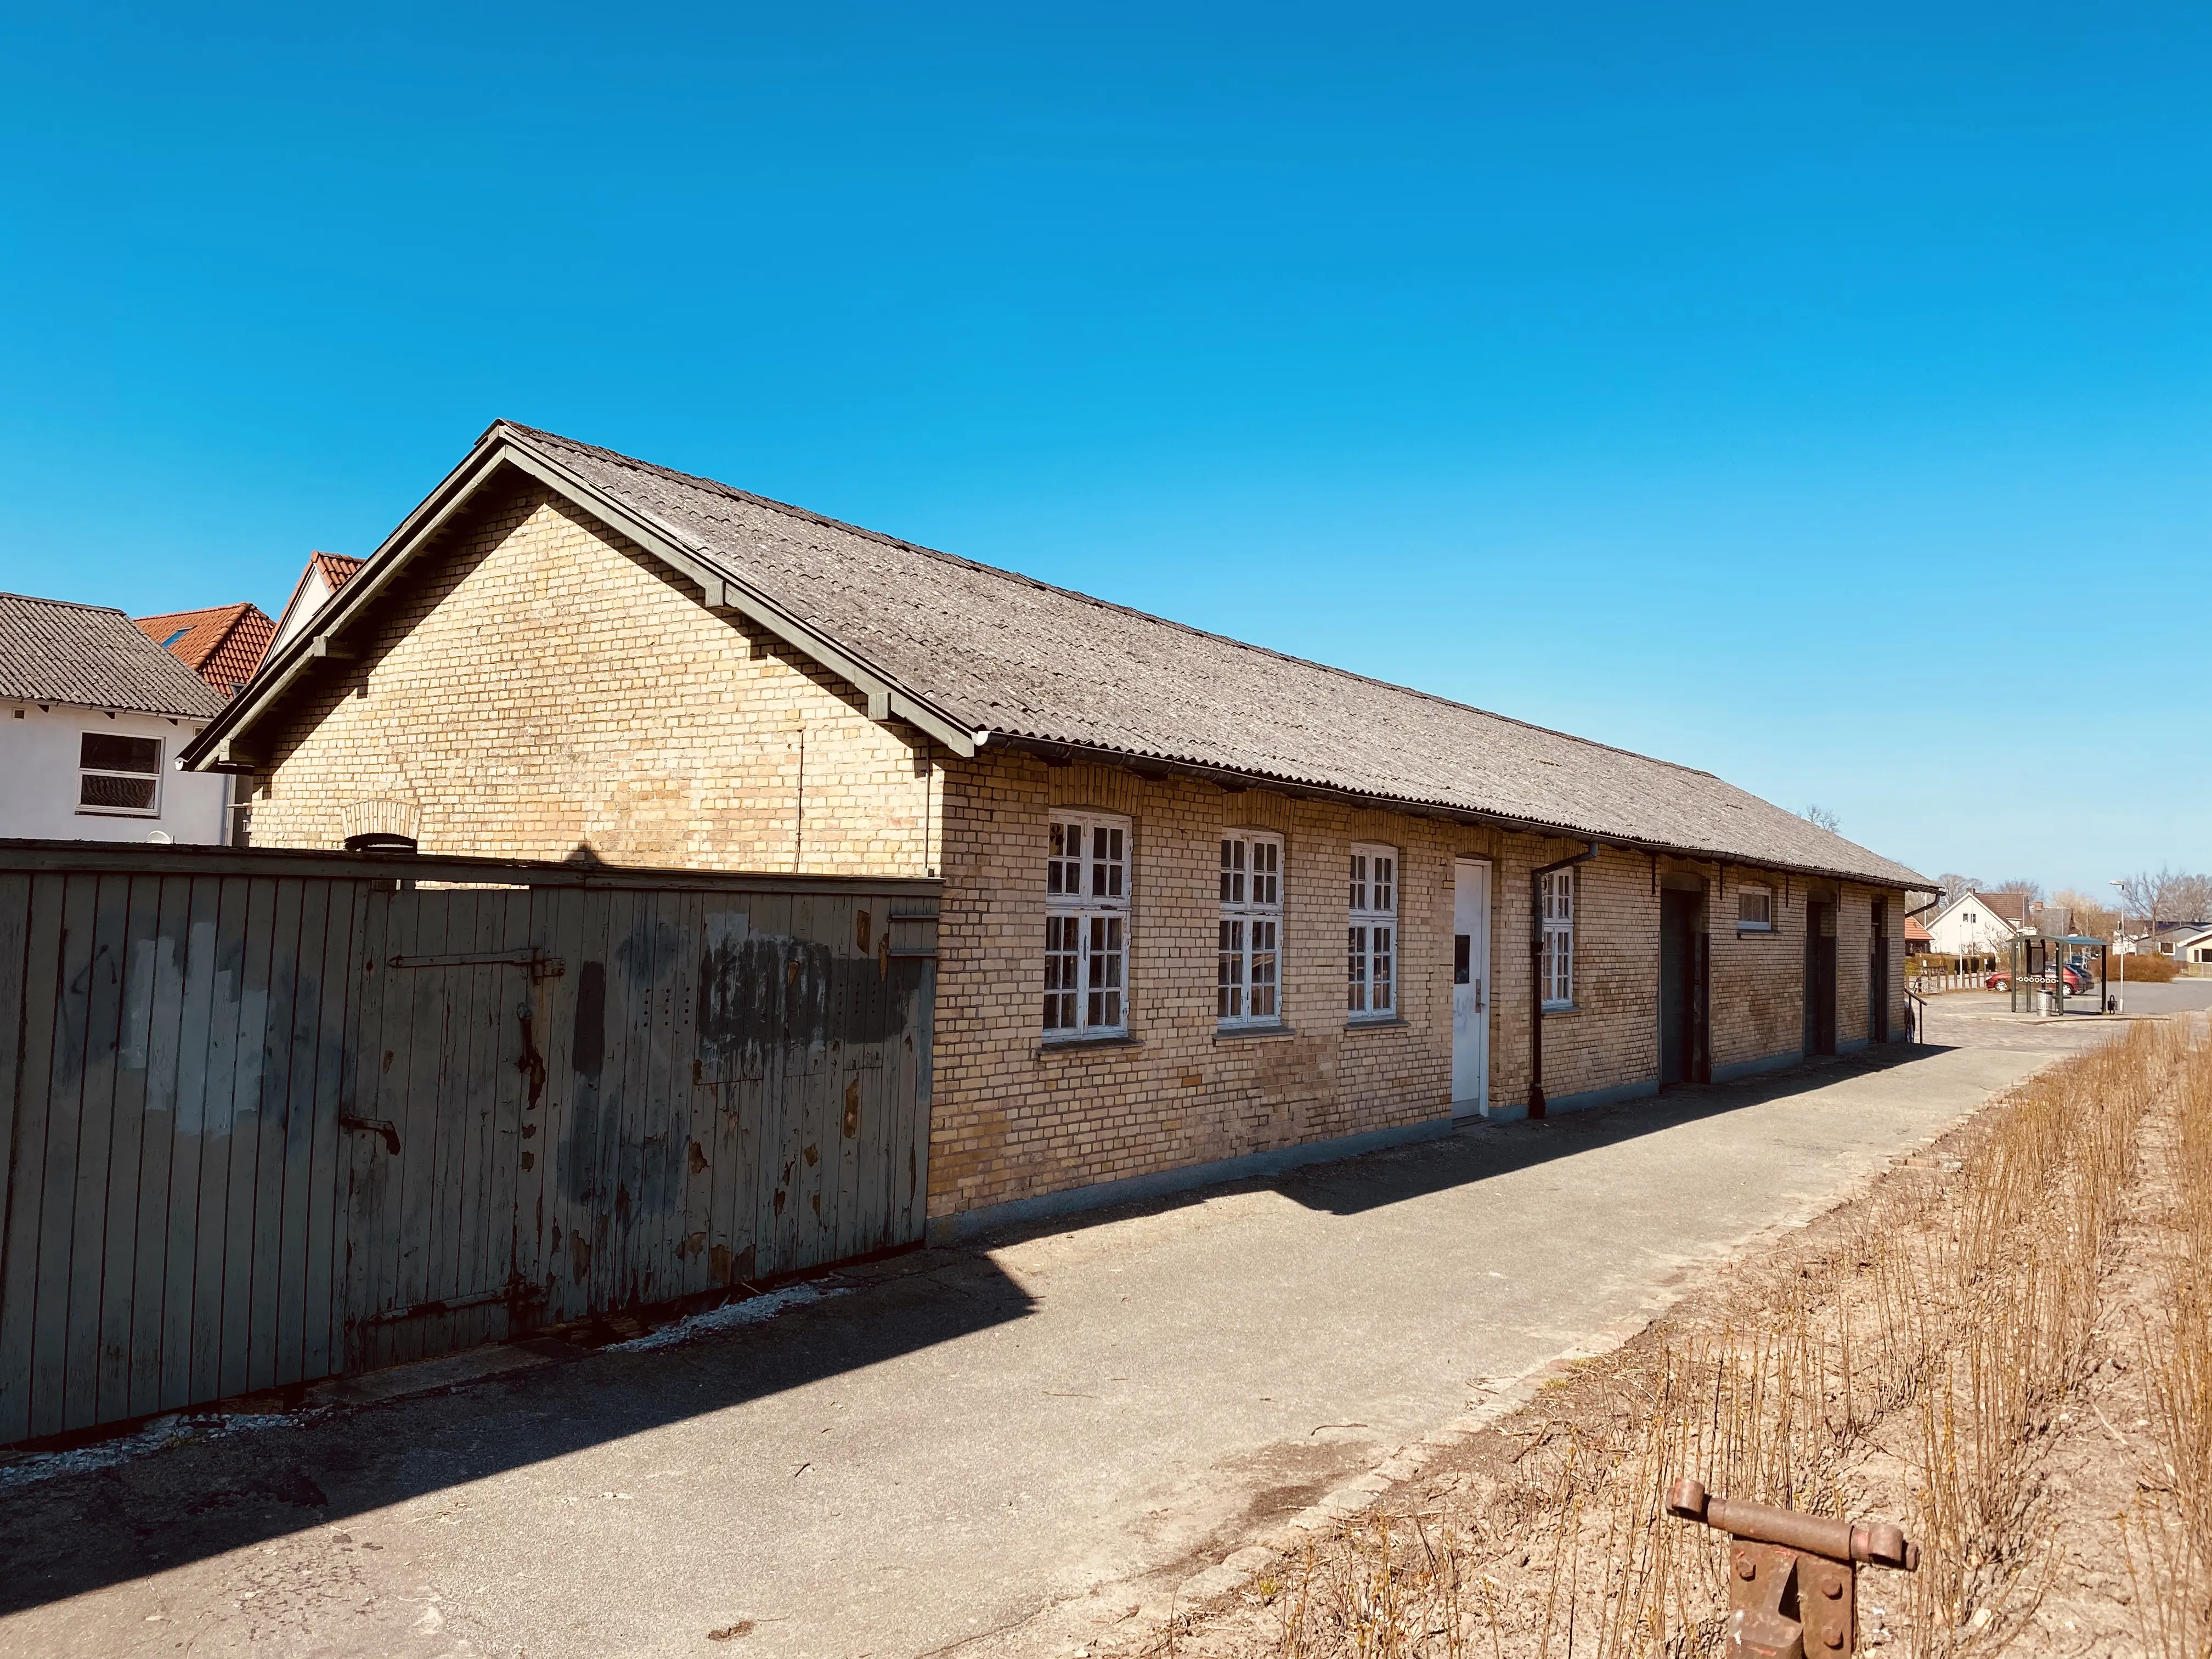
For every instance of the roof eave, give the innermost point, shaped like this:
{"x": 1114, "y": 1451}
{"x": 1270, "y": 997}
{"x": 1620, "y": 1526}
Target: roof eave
{"x": 1052, "y": 749}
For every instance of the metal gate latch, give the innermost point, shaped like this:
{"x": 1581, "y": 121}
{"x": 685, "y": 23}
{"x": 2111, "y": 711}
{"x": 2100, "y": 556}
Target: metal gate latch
{"x": 1793, "y": 1579}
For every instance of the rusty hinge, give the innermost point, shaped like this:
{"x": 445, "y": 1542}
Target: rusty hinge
{"x": 540, "y": 965}
{"x": 1793, "y": 1579}
{"x": 373, "y": 1125}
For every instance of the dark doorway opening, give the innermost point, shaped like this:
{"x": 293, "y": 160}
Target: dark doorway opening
{"x": 1682, "y": 959}
{"x": 1820, "y": 977}
{"x": 1878, "y": 976}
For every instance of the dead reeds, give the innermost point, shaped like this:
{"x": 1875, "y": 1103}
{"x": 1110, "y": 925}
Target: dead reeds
{"x": 1914, "y": 1369}
{"x": 2168, "y": 1532}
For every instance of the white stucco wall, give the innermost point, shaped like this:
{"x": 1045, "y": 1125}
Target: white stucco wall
{"x": 39, "y": 753}
{"x": 1953, "y": 934}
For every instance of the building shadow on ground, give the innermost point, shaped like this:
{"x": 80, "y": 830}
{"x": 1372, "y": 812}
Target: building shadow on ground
{"x": 1483, "y": 1151}
{"x": 74, "y": 1533}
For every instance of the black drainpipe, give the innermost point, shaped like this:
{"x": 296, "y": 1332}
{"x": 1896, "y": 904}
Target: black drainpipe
{"x": 1536, "y": 972}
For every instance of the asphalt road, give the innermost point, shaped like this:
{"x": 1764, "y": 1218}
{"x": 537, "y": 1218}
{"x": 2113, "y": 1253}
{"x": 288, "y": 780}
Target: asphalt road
{"x": 990, "y": 1450}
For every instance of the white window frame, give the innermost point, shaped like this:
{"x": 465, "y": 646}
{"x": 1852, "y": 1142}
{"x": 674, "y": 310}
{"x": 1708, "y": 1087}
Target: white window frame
{"x": 1371, "y": 940}
{"x": 1754, "y": 889}
{"x": 84, "y": 773}
{"x": 1086, "y": 968}
{"x": 1557, "y": 964}
{"x": 1248, "y": 958}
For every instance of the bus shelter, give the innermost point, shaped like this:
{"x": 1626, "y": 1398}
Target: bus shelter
{"x": 2037, "y": 980}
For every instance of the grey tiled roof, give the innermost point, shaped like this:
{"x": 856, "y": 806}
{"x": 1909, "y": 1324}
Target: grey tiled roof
{"x": 1003, "y": 654}
{"x": 52, "y": 650}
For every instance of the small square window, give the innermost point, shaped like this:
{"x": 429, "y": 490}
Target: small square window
{"x": 1755, "y": 909}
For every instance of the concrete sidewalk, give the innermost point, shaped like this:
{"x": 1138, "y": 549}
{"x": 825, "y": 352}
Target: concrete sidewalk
{"x": 996, "y": 1449}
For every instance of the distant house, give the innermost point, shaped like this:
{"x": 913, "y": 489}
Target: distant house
{"x": 2191, "y": 943}
{"x": 2178, "y": 939}
{"x": 1978, "y": 924}
{"x": 1918, "y": 942}
{"x": 92, "y": 715}
{"x": 1208, "y": 908}
{"x": 223, "y": 646}
{"x": 324, "y": 575}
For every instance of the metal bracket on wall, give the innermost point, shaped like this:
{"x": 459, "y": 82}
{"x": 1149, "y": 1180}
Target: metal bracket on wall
{"x": 374, "y": 1125}
{"x": 540, "y": 965}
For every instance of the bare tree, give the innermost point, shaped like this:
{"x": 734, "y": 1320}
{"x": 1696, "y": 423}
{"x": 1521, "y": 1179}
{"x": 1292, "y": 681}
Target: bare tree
{"x": 2190, "y": 899}
{"x": 1822, "y": 815}
{"x": 2091, "y": 916}
{"x": 2164, "y": 892}
{"x": 1953, "y": 884}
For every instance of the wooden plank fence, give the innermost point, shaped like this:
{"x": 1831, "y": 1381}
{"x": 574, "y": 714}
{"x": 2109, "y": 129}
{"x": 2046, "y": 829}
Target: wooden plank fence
{"x": 271, "y": 1116}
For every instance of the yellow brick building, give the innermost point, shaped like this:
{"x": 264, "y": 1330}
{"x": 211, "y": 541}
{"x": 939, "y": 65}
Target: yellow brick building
{"x": 1207, "y": 909}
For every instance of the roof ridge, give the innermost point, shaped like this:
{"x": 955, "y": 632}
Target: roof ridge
{"x": 809, "y": 515}
{"x": 239, "y": 607}
{"x": 68, "y": 604}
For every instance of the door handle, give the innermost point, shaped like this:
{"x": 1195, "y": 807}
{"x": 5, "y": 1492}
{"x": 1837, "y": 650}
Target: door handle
{"x": 1478, "y": 997}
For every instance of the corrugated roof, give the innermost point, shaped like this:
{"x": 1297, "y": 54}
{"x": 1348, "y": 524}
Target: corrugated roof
{"x": 53, "y": 651}
{"x": 999, "y": 656}
{"x": 1018, "y": 657}
{"x": 223, "y": 645}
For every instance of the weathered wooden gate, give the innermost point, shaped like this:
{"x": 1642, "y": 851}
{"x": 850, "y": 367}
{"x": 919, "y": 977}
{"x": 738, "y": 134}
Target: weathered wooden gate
{"x": 271, "y": 1116}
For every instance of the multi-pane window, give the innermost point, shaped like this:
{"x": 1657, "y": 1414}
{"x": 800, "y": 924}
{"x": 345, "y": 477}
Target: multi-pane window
{"x": 116, "y": 773}
{"x": 1755, "y": 909}
{"x": 1370, "y": 955}
{"x": 1248, "y": 965}
{"x": 1086, "y": 925}
{"x": 1558, "y": 977}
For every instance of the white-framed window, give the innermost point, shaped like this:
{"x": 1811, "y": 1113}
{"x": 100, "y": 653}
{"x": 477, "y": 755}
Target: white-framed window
{"x": 119, "y": 774}
{"x": 1558, "y": 960}
{"x": 1086, "y": 927}
{"x": 1248, "y": 963}
{"x": 1754, "y": 909}
{"x": 1370, "y": 955}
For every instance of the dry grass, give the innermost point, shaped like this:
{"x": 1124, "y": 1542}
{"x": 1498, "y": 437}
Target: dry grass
{"x": 2168, "y": 1535}
{"x": 1913, "y": 1368}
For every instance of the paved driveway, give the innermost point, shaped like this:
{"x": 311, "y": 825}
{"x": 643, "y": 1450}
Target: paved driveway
{"x": 989, "y": 1450}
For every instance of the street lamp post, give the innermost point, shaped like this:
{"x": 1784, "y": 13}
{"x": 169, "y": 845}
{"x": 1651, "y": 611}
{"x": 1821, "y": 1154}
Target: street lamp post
{"x": 2120, "y": 931}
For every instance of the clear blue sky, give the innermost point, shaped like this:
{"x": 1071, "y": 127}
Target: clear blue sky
{"x": 1727, "y": 385}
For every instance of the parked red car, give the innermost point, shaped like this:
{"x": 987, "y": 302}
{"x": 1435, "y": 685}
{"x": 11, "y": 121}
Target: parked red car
{"x": 2078, "y": 981}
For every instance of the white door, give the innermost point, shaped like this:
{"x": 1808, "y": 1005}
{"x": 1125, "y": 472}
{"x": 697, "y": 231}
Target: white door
{"x": 1470, "y": 987}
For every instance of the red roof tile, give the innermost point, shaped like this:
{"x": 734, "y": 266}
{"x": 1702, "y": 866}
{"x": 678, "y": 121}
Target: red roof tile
{"x": 223, "y": 646}
{"x": 335, "y": 567}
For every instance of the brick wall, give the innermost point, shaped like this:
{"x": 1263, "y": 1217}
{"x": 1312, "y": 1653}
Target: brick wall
{"x": 544, "y": 686}
{"x": 1016, "y": 1117}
